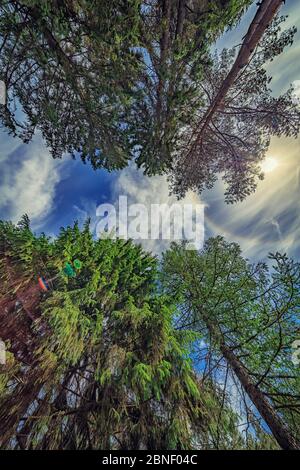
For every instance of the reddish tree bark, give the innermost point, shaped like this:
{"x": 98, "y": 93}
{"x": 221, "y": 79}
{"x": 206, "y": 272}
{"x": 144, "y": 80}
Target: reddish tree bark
{"x": 264, "y": 15}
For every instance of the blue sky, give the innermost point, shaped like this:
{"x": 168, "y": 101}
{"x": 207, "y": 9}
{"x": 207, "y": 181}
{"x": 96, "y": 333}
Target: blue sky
{"x": 56, "y": 192}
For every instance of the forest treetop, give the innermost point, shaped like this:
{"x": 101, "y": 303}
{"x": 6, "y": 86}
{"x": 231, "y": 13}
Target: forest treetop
{"x": 114, "y": 81}
{"x": 95, "y": 362}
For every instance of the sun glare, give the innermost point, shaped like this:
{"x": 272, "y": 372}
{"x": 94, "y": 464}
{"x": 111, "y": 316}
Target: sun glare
{"x": 269, "y": 165}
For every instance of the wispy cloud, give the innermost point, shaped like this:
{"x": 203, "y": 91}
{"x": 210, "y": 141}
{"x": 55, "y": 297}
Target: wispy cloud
{"x": 268, "y": 220}
{"x": 140, "y": 189}
{"x": 28, "y": 180}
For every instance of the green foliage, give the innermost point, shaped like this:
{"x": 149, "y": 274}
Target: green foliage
{"x": 170, "y": 97}
{"x": 253, "y": 311}
{"x": 109, "y": 80}
{"x": 237, "y": 116}
{"x": 73, "y": 70}
{"x": 95, "y": 362}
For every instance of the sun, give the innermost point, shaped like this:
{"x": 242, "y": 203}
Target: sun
{"x": 269, "y": 165}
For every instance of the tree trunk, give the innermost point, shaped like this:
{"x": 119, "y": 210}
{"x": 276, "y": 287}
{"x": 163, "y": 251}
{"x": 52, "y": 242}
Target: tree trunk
{"x": 166, "y": 7}
{"x": 180, "y": 18}
{"x": 264, "y": 15}
{"x": 278, "y": 428}
{"x": 276, "y": 425}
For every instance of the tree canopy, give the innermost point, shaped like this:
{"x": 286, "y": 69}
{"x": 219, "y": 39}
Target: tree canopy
{"x": 114, "y": 81}
{"x": 95, "y": 362}
{"x": 106, "y": 80}
{"x": 231, "y": 132}
{"x": 248, "y": 316}
{"x": 108, "y": 347}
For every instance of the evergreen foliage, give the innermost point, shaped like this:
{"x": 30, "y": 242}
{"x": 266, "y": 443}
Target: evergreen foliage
{"x": 230, "y": 133}
{"x": 248, "y": 316}
{"x": 95, "y": 363}
{"x": 109, "y": 80}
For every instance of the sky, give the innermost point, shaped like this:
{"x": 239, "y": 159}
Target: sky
{"x": 54, "y": 193}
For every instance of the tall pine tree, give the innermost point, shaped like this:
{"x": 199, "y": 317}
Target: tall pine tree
{"x": 248, "y": 316}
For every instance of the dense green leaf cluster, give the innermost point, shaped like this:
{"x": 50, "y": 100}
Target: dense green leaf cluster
{"x": 249, "y": 311}
{"x": 95, "y": 362}
{"x": 108, "y": 80}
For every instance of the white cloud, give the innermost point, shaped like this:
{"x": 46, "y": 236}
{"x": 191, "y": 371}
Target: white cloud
{"x": 29, "y": 177}
{"x": 296, "y": 85}
{"x": 140, "y": 189}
